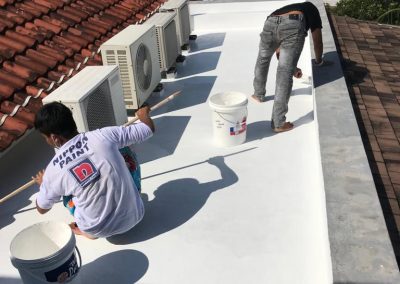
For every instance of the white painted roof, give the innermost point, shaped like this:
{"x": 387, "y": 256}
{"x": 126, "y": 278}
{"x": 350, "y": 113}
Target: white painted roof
{"x": 259, "y": 219}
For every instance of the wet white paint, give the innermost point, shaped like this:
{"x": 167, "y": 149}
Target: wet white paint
{"x": 40, "y": 241}
{"x": 257, "y": 215}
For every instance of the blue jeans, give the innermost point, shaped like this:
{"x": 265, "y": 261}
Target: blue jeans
{"x": 287, "y": 33}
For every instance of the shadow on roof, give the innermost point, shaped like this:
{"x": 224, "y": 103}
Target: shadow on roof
{"x": 327, "y": 74}
{"x": 195, "y": 91}
{"x": 122, "y": 267}
{"x": 16, "y": 169}
{"x": 355, "y": 74}
{"x": 207, "y": 41}
{"x": 262, "y": 129}
{"x": 199, "y": 63}
{"x": 6, "y": 280}
{"x": 169, "y": 131}
{"x": 175, "y": 202}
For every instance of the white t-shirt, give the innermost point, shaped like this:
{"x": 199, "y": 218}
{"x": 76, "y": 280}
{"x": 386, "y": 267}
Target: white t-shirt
{"x": 91, "y": 168}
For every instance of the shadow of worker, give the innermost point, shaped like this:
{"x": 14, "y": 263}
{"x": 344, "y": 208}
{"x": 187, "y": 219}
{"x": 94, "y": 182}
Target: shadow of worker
{"x": 175, "y": 202}
{"x": 121, "y": 267}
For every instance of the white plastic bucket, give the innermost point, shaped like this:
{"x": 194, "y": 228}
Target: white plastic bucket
{"x": 44, "y": 252}
{"x": 229, "y": 118}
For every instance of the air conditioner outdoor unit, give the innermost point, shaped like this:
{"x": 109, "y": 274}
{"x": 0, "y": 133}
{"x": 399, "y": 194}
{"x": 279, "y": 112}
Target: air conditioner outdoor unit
{"x": 134, "y": 50}
{"x": 94, "y": 96}
{"x": 183, "y": 27}
{"x": 167, "y": 41}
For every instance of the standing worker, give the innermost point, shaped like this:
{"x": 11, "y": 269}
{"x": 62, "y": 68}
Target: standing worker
{"x": 89, "y": 167}
{"x": 284, "y": 32}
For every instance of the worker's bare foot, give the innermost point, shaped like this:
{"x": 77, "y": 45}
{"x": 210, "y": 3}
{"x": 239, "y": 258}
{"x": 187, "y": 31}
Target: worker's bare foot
{"x": 259, "y": 99}
{"x": 77, "y": 231}
{"x": 285, "y": 127}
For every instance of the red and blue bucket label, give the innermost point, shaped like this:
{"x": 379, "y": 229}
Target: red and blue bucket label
{"x": 239, "y": 128}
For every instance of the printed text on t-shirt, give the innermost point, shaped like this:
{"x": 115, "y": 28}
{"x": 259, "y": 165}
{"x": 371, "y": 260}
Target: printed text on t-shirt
{"x": 74, "y": 151}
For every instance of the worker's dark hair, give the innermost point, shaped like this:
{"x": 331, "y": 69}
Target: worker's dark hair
{"x": 55, "y": 118}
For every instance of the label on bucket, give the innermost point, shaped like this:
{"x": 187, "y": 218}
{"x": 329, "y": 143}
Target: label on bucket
{"x": 64, "y": 272}
{"x": 239, "y": 128}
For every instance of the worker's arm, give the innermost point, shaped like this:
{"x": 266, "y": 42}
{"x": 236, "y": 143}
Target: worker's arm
{"x": 39, "y": 179}
{"x": 41, "y": 210}
{"x": 132, "y": 134}
{"x": 297, "y": 72}
{"x": 143, "y": 114}
{"x": 318, "y": 45}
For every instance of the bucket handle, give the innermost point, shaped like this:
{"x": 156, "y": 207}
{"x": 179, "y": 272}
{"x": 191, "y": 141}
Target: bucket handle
{"x": 219, "y": 114}
{"x": 79, "y": 256}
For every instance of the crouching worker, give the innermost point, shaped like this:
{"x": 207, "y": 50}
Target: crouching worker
{"x": 90, "y": 168}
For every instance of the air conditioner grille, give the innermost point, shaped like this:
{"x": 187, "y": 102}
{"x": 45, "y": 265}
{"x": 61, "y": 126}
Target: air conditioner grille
{"x": 122, "y": 61}
{"x": 185, "y": 23}
{"x": 143, "y": 67}
{"x": 171, "y": 44}
{"x": 159, "y": 38}
{"x": 99, "y": 109}
{"x": 110, "y": 60}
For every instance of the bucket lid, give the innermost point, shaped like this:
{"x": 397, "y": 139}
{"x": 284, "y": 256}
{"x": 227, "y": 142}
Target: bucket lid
{"x": 40, "y": 240}
{"x": 228, "y": 100}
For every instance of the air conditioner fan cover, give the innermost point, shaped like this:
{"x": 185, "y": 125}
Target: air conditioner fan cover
{"x": 143, "y": 67}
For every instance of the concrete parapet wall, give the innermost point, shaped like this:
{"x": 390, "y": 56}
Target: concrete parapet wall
{"x": 361, "y": 250}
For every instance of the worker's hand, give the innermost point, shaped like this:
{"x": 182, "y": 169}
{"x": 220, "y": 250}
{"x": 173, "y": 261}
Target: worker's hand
{"x": 39, "y": 177}
{"x": 143, "y": 112}
{"x": 322, "y": 63}
{"x": 216, "y": 160}
{"x": 298, "y": 73}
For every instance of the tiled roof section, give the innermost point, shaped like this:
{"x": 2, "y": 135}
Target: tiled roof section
{"x": 371, "y": 62}
{"x": 45, "y": 42}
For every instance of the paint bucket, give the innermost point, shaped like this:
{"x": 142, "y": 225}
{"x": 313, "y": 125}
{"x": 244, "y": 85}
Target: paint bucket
{"x": 44, "y": 252}
{"x": 229, "y": 118}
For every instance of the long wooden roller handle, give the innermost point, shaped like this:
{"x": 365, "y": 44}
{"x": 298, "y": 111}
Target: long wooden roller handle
{"x": 15, "y": 192}
{"x": 156, "y": 106}
{"x": 32, "y": 182}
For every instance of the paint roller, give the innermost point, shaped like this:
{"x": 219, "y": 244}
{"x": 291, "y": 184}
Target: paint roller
{"x": 131, "y": 121}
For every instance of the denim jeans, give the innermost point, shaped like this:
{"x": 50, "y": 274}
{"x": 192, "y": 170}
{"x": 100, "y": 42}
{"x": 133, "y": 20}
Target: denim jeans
{"x": 288, "y": 34}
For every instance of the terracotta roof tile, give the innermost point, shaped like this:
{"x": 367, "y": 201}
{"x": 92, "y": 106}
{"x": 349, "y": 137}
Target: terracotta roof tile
{"x": 55, "y": 54}
{"x": 12, "y": 125}
{"x": 5, "y": 90}
{"x": 11, "y": 79}
{"x": 6, "y": 23}
{"x": 35, "y": 91}
{"x": 376, "y": 100}
{"x": 42, "y": 58}
{"x": 43, "y": 43}
{"x": 20, "y": 71}
{"x": 34, "y": 65}
{"x": 21, "y": 12}
{"x": 9, "y": 15}
{"x": 6, "y": 139}
{"x": 37, "y": 6}
{"x": 18, "y": 111}
{"x": 16, "y": 45}
{"x": 29, "y": 102}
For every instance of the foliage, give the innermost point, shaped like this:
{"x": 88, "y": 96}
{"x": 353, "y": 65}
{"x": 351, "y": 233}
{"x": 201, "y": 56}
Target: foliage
{"x": 391, "y": 17}
{"x": 369, "y": 9}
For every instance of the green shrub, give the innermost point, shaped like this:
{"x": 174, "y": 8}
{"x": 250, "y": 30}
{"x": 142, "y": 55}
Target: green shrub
{"x": 362, "y": 9}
